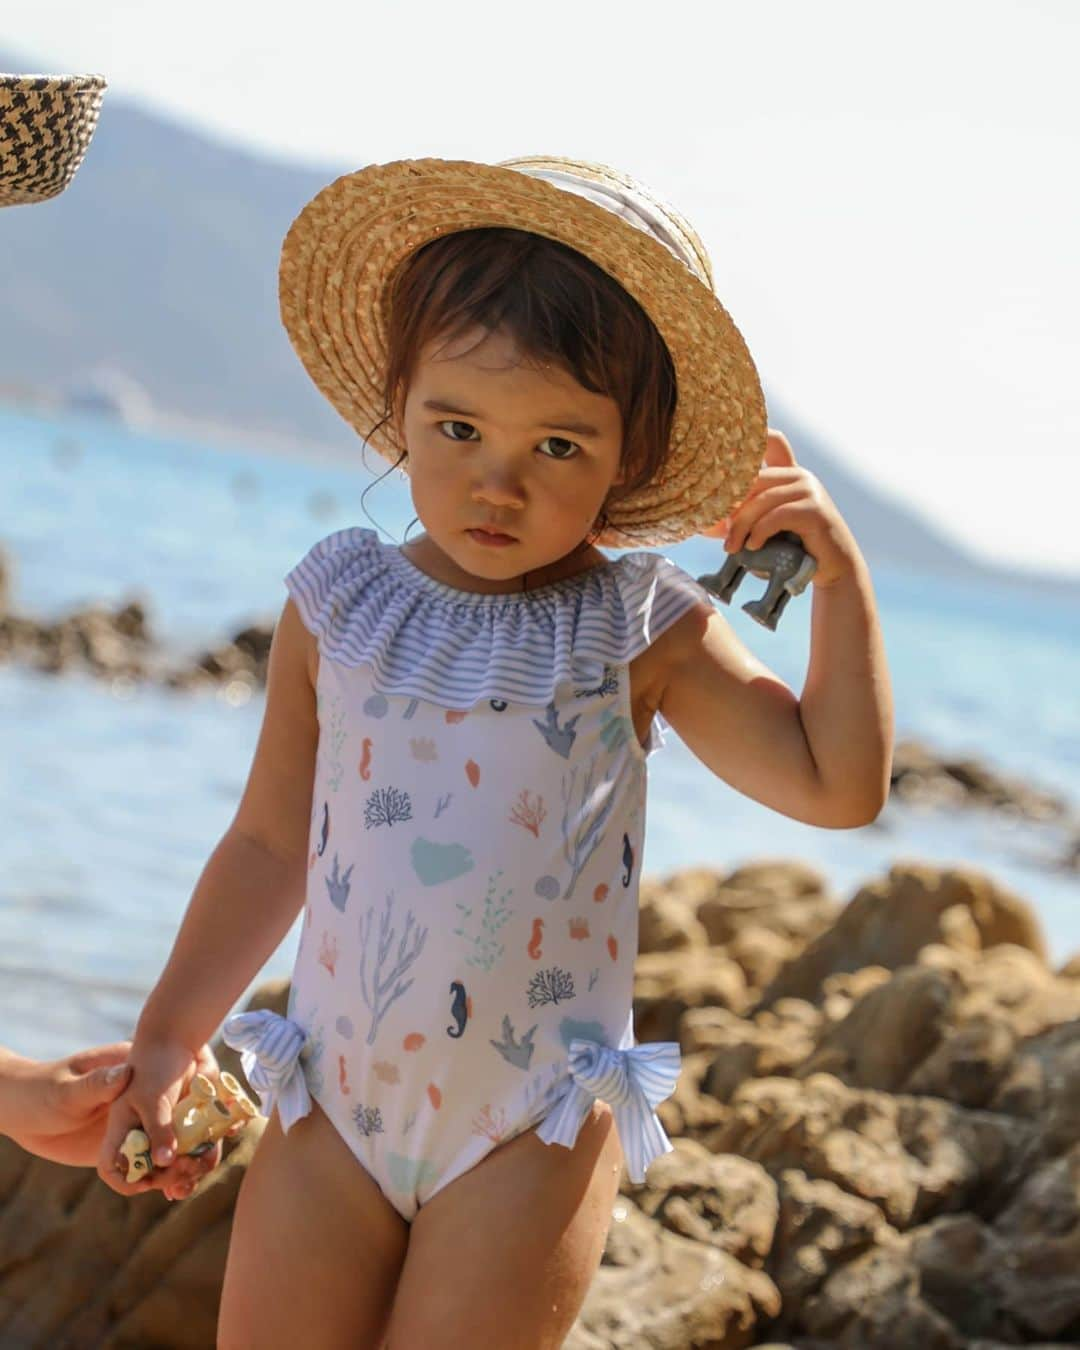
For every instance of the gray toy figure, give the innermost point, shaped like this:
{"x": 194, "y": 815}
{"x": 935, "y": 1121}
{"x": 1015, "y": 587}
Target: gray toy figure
{"x": 782, "y": 559}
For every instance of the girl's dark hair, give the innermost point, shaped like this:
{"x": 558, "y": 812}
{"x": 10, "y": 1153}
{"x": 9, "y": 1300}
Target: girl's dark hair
{"x": 558, "y": 306}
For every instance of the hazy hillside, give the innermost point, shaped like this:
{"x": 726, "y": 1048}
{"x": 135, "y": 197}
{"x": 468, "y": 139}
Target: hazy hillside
{"x": 160, "y": 261}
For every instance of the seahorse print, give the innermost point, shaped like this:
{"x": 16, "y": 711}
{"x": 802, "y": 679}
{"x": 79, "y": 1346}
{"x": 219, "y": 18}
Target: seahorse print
{"x": 325, "y": 829}
{"x": 459, "y": 1010}
{"x": 534, "y": 948}
{"x": 519, "y": 1053}
{"x": 365, "y": 758}
{"x": 343, "y": 1077}
{"x": 627, "y": 859}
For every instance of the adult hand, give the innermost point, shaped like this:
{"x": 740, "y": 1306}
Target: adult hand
{"x": 57, "y": 1109}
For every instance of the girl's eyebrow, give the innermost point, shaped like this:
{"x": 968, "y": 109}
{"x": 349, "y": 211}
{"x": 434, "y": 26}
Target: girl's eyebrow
{"x": 555, "y": 424}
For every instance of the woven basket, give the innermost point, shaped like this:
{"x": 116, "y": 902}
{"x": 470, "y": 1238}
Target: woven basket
{"x": 46, "y": 122}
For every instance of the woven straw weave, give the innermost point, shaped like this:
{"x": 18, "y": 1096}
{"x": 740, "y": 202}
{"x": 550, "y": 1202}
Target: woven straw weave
{"x": 46, "y": 122}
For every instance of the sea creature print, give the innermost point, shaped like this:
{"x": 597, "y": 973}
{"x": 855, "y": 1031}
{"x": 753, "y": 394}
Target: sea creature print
{"x": 534, "y": 949}
{"x": 414, "y": 1040}
{"x": 529, "y": 814}
{"x": 328, "y": 953}
{"x": 434, "y": 1096}
{"x": 368, "y": 1120}
{"x": 600, "y": 894}
{"x": 365, "y": 758}
{"x": 459, "y": 1010}
{"x": 499, "y": 704}
{"x": 613, "y": 946}
{"x": 422, "y": 748}
{"x": 487, "y": 949}
{"x": 559, "y": 738}
{"x": 579, "y": 929}
{"x": 519, "y": 1053}
{"x": 472, "y": 772}
{"x": 381, "y": 968}
{"x": 343, "y": 1076}
{"x": 337, "y": 885}
{"x": 386, "y": 806}
{"x": 587, "y": 804}
{"x": 325, "y": 829}
{"x": 553, "y": 985}
{"x": 609, "y": 684}
{"x": 491, "y": 1126}
{"x": 627, "y": 859}
{"x": 547, "y": 887}
{"x": 376, "y": 706}
{"x": 386, "y": 1072}
{"x": 452, "y": 715}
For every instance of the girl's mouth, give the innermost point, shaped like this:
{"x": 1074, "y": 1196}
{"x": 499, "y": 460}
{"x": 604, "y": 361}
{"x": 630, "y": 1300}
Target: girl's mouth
{"x": 492, "y": 537}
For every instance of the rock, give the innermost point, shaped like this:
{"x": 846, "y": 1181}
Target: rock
{"x": 5, "y": 583}
{"x": 888, "y": 1031}
{"x": 666, "y": 984}
{"x": 914, "y": 1157}
{"x": 666, "y": 923}
{"x": 1043, "y": 1085}
{"x": 663, "y": 1291}
{"x": 787, "y": 899}
{"x": 775, "y": 1041}
{"x": 923, "y": 778}
{"x": 726, "y": 1201}
{"x": 967, "y": 1066}
{"x": 888, "y": 922}
{"x": 820, "y": 1227}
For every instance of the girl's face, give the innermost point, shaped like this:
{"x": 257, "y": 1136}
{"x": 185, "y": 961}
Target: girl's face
{"x": 498, "y": 442}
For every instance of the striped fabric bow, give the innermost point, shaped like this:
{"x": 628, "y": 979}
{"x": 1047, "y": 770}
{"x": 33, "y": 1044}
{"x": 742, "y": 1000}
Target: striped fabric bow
{"x": 270, "y": 1046}
{"x": 633, "y": 1082}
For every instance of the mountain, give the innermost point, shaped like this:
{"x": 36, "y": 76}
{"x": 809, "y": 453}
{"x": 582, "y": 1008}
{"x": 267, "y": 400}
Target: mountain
{"x": 158, "y": 266}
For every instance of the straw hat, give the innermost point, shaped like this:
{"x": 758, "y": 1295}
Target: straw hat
{"x": 46, "y": 122}
{"x": 343, "y": 249}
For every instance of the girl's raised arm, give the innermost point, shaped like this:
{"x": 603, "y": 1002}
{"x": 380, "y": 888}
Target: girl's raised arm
{"x": 247, "y": 897}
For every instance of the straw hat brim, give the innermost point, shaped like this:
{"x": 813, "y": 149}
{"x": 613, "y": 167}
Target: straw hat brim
{"x": 341, "y": 254}
{"x": 46, "y": 122}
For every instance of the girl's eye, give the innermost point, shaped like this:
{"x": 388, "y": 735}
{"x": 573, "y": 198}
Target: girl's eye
{"x": 459, "y": 431}
{"x": 558, "y": 447}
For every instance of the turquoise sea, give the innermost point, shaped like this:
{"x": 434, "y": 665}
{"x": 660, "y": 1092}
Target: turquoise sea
{"x": 111, "y": 798}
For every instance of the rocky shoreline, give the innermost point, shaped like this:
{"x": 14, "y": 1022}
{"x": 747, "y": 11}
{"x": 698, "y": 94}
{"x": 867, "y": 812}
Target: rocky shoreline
{"x": 877, "y": 1142}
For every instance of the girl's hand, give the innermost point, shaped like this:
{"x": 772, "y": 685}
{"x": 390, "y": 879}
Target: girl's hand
{"x": 787, "y": 497}
{"x": 161, "y": 1074}
{"x": 58, "y": 1108}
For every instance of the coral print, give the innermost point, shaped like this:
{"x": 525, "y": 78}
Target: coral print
{"x": 381, "y": 966}
{"x": 550, "y": 986}
{"x": 328, "y": 952}
{"x": 386, "y": 806}
{"x": 491, "y": 1125}
{"x": 528, "y": 812}
{"x": 368, "y": 1120}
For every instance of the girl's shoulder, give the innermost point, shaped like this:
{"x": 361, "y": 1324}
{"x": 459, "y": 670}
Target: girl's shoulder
{"x": 367, "y": 604}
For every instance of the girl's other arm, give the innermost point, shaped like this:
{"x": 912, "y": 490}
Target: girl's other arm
{"x": 825, "y": 757}
{"x": 244, "y": 902}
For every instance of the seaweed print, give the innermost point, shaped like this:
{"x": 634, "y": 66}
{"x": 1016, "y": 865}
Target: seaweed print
{"x": 529, "y": 814}
{"x": 333, "y": 737}
{"x": 337, "y": 884}
{"x": 553, "y": 985}
{"x": 311, "y": 1058}
{"x": 615, "y": 730}
{"x": 588, "y": 832}
{"x": 486, "y": 947}
{"x": 382, "y": 984}
{"x": 368, "y": 1120}
{"x": 385, "y": 806}
{"x": 490, "y": 1126}
{"x": 328, "y": 952}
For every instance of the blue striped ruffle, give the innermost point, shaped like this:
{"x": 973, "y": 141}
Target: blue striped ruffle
{"x": 369, "y": 605}
{"x": 633, "y": 1082}
{"x": 270, "y": 1048}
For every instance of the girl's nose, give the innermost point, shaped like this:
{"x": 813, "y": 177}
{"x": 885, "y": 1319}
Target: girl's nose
{"x": 498, "y": 485}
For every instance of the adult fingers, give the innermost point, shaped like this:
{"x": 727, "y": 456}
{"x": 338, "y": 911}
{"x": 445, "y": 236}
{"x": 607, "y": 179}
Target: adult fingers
{"x": 88, "y": 1092}
{"x": 98, "y": 1057}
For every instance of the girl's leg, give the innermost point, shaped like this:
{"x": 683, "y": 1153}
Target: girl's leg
{"x": 316, "y": 1247}
{"x": 503, "y": 1256}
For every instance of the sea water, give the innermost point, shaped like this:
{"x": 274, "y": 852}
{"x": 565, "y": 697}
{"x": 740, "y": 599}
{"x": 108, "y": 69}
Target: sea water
{"x": 113, "y": 795}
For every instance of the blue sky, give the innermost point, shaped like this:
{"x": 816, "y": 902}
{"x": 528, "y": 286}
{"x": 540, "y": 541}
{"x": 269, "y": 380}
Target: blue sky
{"x": 889, "y": 194}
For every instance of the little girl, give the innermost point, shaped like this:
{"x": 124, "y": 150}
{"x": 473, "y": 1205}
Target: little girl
{"x": 450, "y": 777}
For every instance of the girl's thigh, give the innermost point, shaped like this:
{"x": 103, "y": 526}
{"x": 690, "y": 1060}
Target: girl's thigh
{"x": 503, "y": 1256}
{"x": 316, "y": 1247}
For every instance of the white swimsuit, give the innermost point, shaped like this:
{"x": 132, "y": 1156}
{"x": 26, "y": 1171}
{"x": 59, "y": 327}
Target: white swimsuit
{"x": 465, "y": 970}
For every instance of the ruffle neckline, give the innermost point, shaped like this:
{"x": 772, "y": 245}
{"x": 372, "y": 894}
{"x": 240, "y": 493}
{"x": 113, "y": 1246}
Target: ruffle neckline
{"x": 368, "y": 604}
